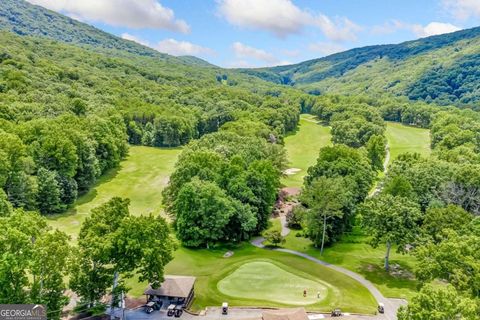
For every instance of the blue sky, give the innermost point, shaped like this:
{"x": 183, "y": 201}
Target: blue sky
{"x": 253, "y": 33}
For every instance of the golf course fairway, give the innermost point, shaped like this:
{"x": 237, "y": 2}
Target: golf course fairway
{"x": 303, "y": 147}
{"x": 273, "y": 283}
{"x": 141, "y": 177}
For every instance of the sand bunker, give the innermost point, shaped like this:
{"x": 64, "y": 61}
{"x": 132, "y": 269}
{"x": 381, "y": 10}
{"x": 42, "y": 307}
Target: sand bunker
{"x": 291, "y": 171}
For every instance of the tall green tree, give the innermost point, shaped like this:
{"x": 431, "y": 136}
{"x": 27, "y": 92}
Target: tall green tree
{"x": 391, "y": 220}
{"x": 202, "y": 211}
{"x": 325, "y": 198}
{"x": 112, "y": 246}
{"x": 376, "y": 148}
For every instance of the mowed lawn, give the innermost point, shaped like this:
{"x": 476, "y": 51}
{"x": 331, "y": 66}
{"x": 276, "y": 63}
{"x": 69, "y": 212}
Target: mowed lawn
{"x": 402, "y": 138}
{"x": 303, "y": 147}
{"x": 141, "y": 177}
{"x": 260, "y": 277}
{"x": 353, "y": 252}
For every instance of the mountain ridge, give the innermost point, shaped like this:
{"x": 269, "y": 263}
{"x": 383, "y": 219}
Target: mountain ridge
{"x": 24, "y": 18}
{"x": 326, "y": 74}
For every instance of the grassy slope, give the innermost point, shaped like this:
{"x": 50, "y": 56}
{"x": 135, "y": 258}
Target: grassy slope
{"x": 403, "y": 139}
{"x": 141, "y": 178}
{"x": 354, "y": 253}
{"x": 303, "y": 147}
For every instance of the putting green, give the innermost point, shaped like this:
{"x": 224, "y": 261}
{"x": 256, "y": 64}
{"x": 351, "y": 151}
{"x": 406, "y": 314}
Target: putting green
{"x": 267, "y": 281}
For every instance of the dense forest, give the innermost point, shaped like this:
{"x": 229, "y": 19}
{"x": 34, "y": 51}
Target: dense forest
{"x": 73, "y": 99}
{"x": 441, "y": 69}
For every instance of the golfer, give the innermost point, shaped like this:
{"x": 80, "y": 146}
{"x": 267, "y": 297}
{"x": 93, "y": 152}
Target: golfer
{"x": 305, "y": 292}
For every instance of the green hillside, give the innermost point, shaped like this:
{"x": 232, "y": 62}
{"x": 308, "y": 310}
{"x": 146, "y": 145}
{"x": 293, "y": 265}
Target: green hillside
{"x": 443, "y": 69}
{"x": 23, "y": 18}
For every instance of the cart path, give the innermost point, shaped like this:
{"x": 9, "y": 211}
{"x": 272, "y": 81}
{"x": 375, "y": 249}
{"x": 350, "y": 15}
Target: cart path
{"x": 391, "y": 305}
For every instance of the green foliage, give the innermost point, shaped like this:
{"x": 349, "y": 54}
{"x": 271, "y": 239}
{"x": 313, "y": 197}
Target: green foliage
{"x": 344, "y": 161}
{"x": 437, "y": 220}
{"x": 455, "y": 259}
{"x": 113, "y": 244}
{"x": 274, "y": 237}
{"x": 376, "y": 148}
{"x": 441, "y": 69}
{"x": 202, "y": 211}
{"x": 327, "y": 199}
{"x": 33, "y": 262}
{"x": 391, "y": 220}
{"x": 440, "y": 303}
{"x": 241, "y": 172}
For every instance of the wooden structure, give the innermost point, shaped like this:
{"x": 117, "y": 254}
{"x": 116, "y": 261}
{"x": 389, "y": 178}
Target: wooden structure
{"x": 177, "y": 290}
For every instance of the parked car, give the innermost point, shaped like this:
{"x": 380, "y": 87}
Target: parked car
{"x": 381, "y": 307}
{"x": 336, "y": 313}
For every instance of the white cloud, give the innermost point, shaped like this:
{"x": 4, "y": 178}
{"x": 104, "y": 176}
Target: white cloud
{"x": 431, "y": 29}
{"x": 173, "y": 47}
{"x": 243, "y": 51}
{"x": 128, "y": 36}
{"x": 136, "y": 14}
{"x": 462, "y": 9}
{"x": 282, "y": 17}
{"x": 182, "y": 48}
{"x": 248, "y": 57}
{"x": 434, "y": 28}
{"x": 326, "y": 48}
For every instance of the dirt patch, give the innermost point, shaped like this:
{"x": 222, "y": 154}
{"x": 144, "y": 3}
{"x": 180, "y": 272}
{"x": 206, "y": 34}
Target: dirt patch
{"x": 291, "y": 171}
{"x": 290, "y": 192}
{"x": 132, "y": 303}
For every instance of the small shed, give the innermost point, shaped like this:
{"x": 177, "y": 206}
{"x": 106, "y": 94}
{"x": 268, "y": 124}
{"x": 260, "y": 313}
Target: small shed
{"x": 285, "y": 314}
{"x": 175, "y": 289}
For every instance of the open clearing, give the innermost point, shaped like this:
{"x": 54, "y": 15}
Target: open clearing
{"x": 141, "y": 177}
{"x": 402, "y": 138}
{"x": 303, "y": 147}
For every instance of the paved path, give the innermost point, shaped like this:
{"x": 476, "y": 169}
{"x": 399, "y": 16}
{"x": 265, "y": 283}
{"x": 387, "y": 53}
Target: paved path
{"x": 391, "y": 305}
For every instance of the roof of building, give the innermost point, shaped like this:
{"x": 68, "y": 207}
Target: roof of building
{"x": 173, "y": 286}
{"x": 285, "y": 314}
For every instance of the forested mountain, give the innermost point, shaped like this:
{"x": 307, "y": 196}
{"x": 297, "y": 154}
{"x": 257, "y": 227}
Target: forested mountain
{"x": 444, "y": 69}
{"x": 23, "y": 18}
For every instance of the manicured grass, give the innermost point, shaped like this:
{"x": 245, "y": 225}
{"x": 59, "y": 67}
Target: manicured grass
{"x": 214, "y": 272}
{"x": 141, "y": 177}
{"x": 354, "y": 253}
{"x": 403, "y": 139}
{"x": 303, "y": 147}
{"x": 273, "y": 284}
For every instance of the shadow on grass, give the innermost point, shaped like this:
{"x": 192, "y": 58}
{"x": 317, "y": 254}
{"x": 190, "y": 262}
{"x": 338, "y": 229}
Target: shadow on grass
{"x": 377, "y": 275}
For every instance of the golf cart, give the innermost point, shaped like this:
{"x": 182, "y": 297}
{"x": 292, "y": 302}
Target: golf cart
{"x": 171, "y": 310}
{"x": 149, "y": 307}
{"x": 336, "y": 313}
{"x": 225, "y": 308}
{"x": 153, "y": 305}
{"x": 178, "y": 310}
{"x": 381, "y": 307}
